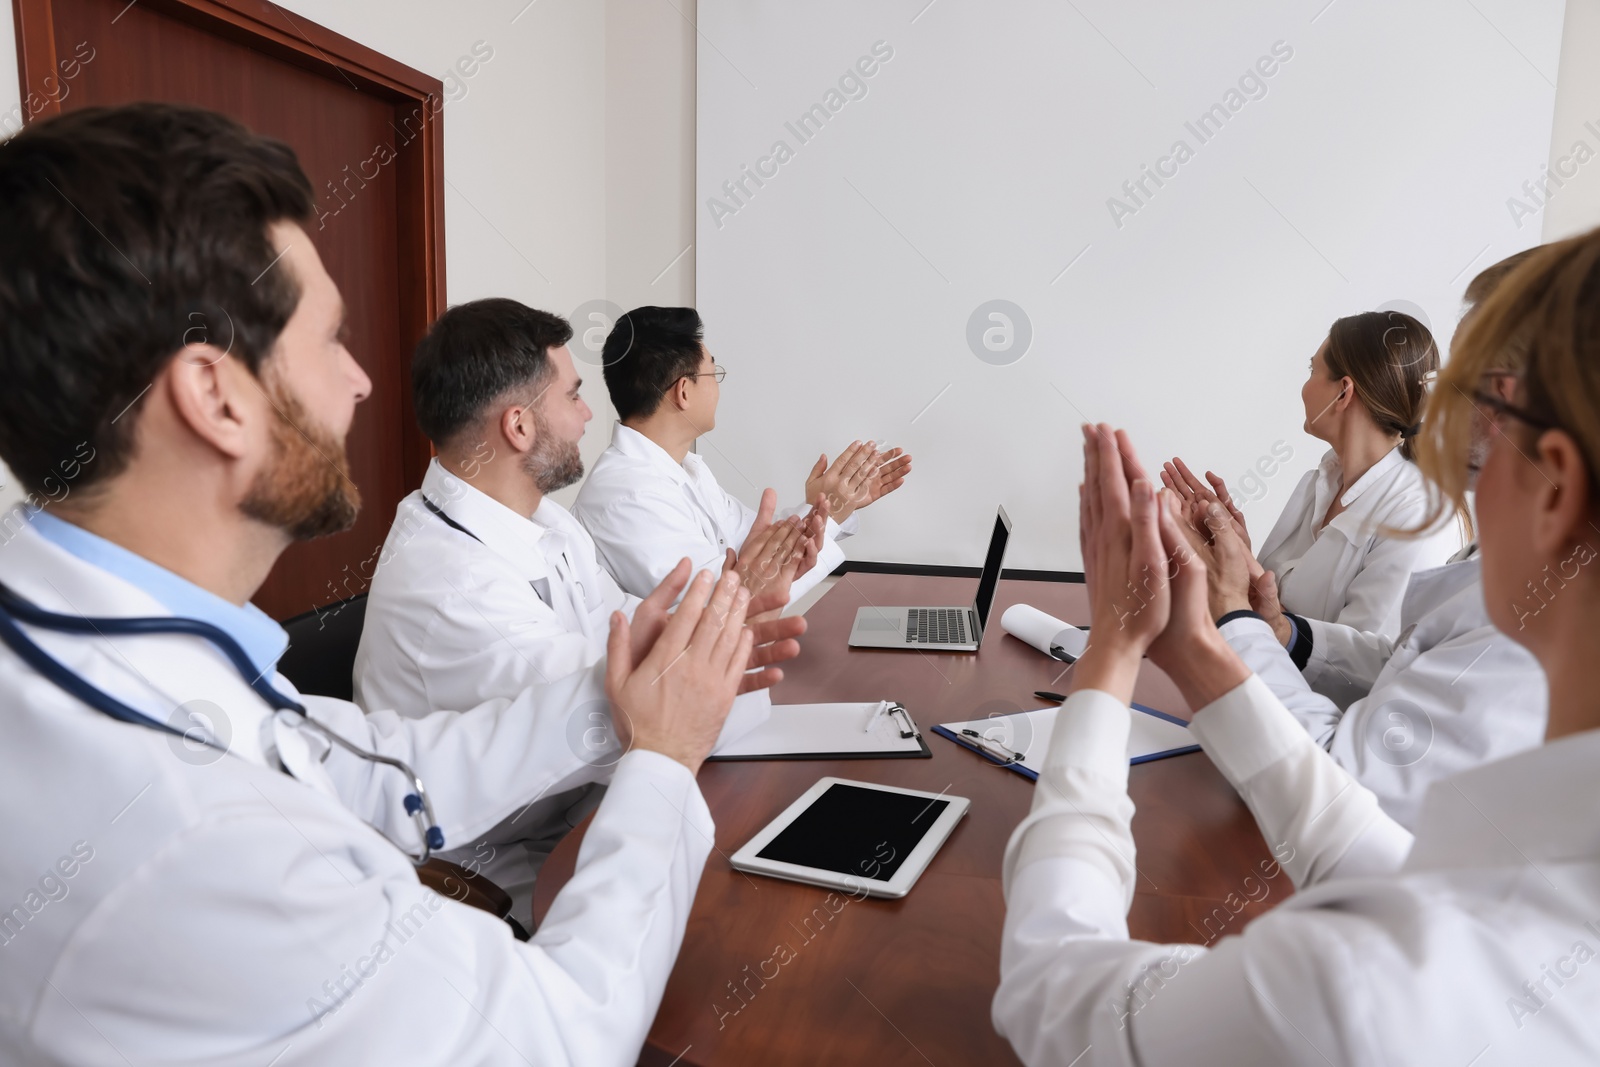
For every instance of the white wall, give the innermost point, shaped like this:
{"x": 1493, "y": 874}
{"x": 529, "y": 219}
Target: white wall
{"x": 993, "y": 138}
{"x": 569, "y": 158}
{"x": 611, "y": 85}
{"x": 1574, "y": 206}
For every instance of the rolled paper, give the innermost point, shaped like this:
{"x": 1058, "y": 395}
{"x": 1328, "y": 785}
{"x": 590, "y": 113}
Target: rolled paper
{"x": 1043, "y": 631}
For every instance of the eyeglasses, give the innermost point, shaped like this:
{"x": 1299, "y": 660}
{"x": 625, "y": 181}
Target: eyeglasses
{"x": 718, "y": 372}
{"x": 1503, "y": 409}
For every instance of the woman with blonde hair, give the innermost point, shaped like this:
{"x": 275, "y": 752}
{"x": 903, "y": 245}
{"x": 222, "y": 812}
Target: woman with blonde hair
{"x": 1468, "y": 943}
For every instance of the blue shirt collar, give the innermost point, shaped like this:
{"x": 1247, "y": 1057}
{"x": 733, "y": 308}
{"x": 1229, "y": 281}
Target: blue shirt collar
{"x": 262, "y": 639}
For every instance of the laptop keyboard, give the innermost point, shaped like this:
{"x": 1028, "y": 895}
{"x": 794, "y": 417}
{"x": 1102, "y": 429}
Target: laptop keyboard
{"x": 936, "y": 626}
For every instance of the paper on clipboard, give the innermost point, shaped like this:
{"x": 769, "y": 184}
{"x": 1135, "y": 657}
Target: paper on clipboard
{"x": 829, "y": 731}
{"x": 1152, "y": 735}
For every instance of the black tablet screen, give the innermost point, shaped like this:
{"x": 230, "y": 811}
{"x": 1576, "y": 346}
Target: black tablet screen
{"x": 867, "y": 833}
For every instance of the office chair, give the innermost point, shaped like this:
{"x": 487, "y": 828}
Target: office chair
{"x": 321, "y": 661}
{"x": 321, "y": 657}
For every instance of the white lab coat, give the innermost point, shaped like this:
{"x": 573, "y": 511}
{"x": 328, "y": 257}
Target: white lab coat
{"x": 1349, "y": 571}
{"x": 219, "y": 911}
{"x": 454, "y": 620}
{"x": 1450, "y": 693}
{"x": 1390, "y": 952}
{"x": 646, "y": 512}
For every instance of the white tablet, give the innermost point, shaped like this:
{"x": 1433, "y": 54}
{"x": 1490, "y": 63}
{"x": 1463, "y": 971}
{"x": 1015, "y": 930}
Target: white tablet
{"x": 873, "y": 840}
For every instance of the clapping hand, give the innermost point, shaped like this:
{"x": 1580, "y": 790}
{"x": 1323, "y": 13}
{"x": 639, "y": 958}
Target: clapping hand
{"x": 892, "y": 468}
{"x": 773, "y": 640}
{"x": 771, "y": 555}
{"x": 844, "y": 482}
{"x": 673, "y": 699}
{"x": 1123, "y": 562}
{"x": 1237, "y": 581}
{"x": 1177, "y": 476}
{"x": 1149, "y": 584}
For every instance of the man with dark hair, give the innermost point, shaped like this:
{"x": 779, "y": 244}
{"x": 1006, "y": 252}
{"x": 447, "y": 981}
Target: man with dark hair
{"x": 485, "y": 585}
{"x": 650, "y": 500}
{"x": 208, "y": 869}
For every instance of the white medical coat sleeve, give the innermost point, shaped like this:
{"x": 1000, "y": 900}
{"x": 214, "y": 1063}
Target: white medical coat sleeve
{"x": 495, "y": 636}
{"x": 1317, "y": 819}
{"x": 1258, "y": 647}
{"x": 320, "y": 946}
{"x": 1070, "y": 981}
{"x": 641, "y": 536}
{"x": 1345, "y": 661}
{"x": 1450, "y": 707}
{"x": 1470, "y": 699}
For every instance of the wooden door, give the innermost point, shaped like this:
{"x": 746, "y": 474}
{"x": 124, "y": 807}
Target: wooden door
{"x": 368, "y": 133}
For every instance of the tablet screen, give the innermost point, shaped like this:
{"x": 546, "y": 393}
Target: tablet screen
{"x": 867, "y": 833}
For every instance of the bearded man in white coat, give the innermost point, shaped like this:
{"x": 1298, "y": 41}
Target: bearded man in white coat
{"x": 486, "y": 585}
{"x": 210, "y": 871}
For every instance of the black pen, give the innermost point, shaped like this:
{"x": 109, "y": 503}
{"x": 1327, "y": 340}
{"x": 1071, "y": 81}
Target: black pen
{"x": 1045, "y": 694}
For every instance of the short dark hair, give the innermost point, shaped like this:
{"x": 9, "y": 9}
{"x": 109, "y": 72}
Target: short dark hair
{"x": 646, "y": 352}
{"x": 475, "y": 352}
{"x": 128, "y": 233}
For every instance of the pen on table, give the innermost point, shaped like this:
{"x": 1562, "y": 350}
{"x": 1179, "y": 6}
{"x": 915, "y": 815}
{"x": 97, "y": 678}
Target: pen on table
{"x": 883, "y": 705}
{"x": 988, "y": 745}
{"x": 1045, "y": 694}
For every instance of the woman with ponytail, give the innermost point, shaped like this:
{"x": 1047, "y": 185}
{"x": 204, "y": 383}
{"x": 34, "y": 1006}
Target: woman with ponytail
{"x": 1337, "y": 551}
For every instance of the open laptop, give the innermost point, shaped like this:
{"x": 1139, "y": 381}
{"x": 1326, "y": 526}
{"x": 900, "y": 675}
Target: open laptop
{"x": 943, "y": 629}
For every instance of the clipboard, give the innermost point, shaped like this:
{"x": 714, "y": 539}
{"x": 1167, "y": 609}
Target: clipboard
{"x": 1154, "y": 735}
{"x": 830, "y": 731}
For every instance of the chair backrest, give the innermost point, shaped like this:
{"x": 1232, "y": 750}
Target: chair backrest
{"x": 321, "y": 657}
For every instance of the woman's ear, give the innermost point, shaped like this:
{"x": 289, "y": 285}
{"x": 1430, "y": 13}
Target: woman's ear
{"x": 1562, "y": 503}
{"x": 1347, "y": 394}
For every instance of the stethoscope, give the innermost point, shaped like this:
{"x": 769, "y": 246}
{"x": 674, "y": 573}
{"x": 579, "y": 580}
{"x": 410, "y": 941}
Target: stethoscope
{"x": 14, "y": 608}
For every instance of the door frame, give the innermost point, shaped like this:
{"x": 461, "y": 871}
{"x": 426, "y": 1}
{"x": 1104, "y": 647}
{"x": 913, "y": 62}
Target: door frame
{"x": 273, "y": 31}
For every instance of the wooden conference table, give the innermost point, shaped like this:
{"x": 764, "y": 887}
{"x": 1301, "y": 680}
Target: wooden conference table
{"x": 890, "y": 982}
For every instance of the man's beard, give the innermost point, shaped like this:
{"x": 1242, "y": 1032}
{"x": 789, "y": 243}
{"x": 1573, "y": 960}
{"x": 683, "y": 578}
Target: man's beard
{"x": 307, "y": 490}
{"x": 553, "y": 464}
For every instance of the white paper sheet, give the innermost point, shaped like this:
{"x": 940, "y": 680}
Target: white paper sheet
{"x": 839, "y": 729}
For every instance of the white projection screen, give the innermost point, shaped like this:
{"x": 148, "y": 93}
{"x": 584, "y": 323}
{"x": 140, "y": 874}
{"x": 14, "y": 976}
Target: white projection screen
{"x": 964, "y": 228}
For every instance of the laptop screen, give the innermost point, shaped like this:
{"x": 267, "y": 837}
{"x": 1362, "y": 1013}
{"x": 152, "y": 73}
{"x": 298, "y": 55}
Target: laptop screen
{"x": 990, "y": 579}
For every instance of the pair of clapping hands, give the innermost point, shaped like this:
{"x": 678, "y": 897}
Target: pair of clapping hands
{"x": 1216, "y": 527}
{"x": 671, "y": 676}
{"x": 774, "y": 554}
{"x": 1161, "y": 567}
{"x": 859, "y": 476}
